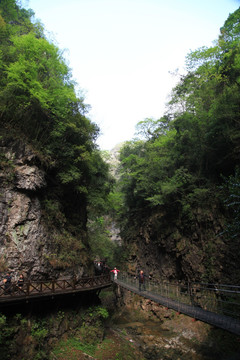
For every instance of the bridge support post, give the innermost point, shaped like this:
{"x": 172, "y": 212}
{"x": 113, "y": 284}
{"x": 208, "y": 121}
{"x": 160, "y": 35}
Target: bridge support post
{"x": 28, "y": 288}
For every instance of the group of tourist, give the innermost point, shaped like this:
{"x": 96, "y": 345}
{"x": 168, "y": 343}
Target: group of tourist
{"x": 101, "y": 267}
{"x": 7, "y": 281}
{"x": 141, "y": 278}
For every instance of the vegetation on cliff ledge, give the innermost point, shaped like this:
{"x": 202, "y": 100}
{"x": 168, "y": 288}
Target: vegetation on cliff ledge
{"x": 40, "y": 105}
{"x": 179, "y": 184}
{"x": 172, "y": 174}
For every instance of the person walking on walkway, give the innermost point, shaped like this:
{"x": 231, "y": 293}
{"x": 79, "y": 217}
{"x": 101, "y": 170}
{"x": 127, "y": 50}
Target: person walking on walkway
{"x": 20, "y": 282}
{"x": 141, "y": 280}
{"x": 115, "y": 272}
{"x": 7, "y": 283}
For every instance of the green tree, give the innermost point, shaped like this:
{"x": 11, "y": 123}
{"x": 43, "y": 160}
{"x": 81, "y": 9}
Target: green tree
{"x": 39, "y": 103}
{"x": 36, "y": 81}
{"x": 174, "y": 170}
{"x": 231, "y": 187}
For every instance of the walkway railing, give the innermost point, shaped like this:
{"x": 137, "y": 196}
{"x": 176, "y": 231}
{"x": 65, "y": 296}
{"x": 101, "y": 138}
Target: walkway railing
{"x": 213, "y": 303}
{"x": 35, "y": 289}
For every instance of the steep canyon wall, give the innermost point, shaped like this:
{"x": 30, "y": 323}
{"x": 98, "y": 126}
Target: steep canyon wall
{"x": 176, "y": 249}
{"x": 26, "y": 238}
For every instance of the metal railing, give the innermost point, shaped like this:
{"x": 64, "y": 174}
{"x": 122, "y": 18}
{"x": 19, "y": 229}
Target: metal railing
{"x": 218, "y": 298}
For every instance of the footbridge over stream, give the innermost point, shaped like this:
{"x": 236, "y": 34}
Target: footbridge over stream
{"x": 215, "y": 304}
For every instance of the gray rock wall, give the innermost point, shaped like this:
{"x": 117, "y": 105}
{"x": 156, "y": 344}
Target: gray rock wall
{"x": 25, "y": 237}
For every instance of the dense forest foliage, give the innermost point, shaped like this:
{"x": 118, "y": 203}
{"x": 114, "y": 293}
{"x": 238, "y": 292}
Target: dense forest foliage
{"x": 196, "y": 143}
{"x": 189, "y": 158}
{"x": 40, "y": 105}
{"x": 185, "y": 161}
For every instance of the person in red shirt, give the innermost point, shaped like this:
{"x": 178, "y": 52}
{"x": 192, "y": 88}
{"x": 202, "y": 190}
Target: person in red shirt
{"x": 115, "y": 272}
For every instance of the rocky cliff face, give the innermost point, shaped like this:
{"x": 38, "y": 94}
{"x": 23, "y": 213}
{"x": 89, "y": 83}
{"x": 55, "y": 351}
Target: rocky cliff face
{"x": 25, "y": 237}
{"x": 174, "y": 249}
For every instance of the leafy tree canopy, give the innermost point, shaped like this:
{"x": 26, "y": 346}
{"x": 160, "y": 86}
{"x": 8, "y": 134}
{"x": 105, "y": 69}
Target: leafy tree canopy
{"x": 181, "y": 157}
{"x": 38, "y": 100}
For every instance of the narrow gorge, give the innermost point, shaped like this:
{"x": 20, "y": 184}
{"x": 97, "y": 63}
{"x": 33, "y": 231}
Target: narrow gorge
{"x": 166, "y": 203}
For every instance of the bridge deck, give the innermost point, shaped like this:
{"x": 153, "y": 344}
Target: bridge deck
{"x": 40, "y": 289}
{"x": 218, "y": 320}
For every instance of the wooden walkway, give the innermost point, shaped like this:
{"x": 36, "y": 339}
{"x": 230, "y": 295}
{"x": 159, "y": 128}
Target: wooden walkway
{"x": 40, "y": 289}
{"x": 221, "y": 321}
{"x": 52, "y": 288}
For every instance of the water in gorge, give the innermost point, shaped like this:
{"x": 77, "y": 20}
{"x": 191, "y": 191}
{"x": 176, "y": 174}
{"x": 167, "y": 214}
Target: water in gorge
{"x": 157, "y": 333}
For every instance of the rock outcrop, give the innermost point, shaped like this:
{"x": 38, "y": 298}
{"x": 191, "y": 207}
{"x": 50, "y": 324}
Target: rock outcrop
{"x": 25, "y": 237}
{"x": 173, "y": 250}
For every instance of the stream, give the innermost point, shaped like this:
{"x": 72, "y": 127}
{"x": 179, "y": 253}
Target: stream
{"x": 176, "y": 337}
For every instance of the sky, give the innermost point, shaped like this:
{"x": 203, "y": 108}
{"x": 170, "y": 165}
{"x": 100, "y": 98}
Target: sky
{"x": 123, "y": 53}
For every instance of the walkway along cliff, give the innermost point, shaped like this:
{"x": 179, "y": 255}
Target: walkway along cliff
{"x": 216, "y": 304}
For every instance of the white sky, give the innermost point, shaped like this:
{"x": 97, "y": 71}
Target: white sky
{"x": 121, "y": 52}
